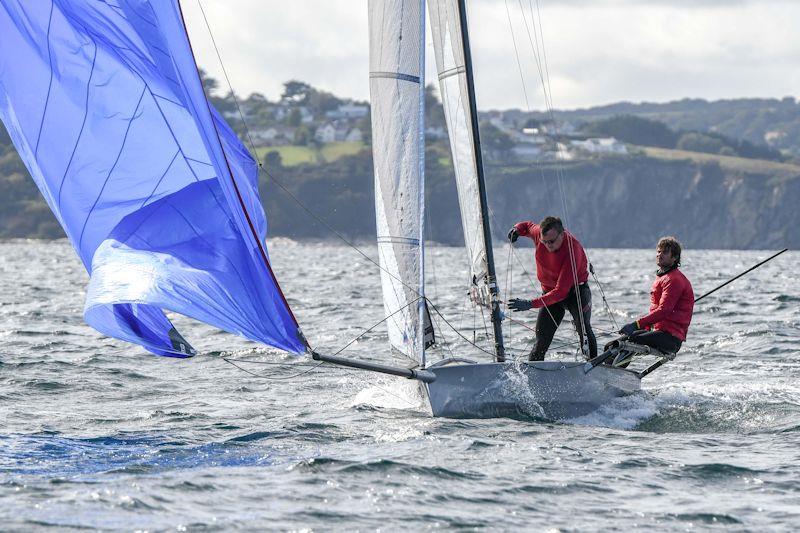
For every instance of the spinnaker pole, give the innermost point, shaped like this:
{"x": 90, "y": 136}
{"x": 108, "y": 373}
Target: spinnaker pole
{"x": 499, "y": 348}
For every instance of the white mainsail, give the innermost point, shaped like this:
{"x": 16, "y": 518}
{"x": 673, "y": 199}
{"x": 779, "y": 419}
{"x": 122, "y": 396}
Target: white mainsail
{"x": 451, "y": 67}
{"x": 396, "y": 35}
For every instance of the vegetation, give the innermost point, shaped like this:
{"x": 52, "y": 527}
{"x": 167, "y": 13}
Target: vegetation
{"x": 642, "y": 131}
{"x": 705, "y": 149}
{"x": 293, "y": 155}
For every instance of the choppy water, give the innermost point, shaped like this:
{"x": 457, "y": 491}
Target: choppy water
{"x": 97, "y": 434}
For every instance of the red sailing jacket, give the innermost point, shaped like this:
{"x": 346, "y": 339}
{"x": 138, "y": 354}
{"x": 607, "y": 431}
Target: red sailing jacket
{"x": 671, "y": 305}
{"x": 554, "y": 269}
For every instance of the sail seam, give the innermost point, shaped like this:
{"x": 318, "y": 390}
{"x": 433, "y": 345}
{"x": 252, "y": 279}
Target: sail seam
{"x": 395, "y": 76}
{"x": 83, "y": 124}
{"x": 50, "y": 85}
{"x": 443, "y": 75}
{"x": 398, "y": 240}
{"x": 134, "y": 116}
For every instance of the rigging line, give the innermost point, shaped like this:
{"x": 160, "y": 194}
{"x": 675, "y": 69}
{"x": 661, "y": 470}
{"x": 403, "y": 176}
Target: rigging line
{"x": 534, "y": 48}
{"x": 262, "y": 376}
{"x": 509, "y": 281}
{"x": 271, "y": 177}
{"x": 227, "y": 79}
{"x": 516, "y": 52}
{"x": 455, "y": 330}
{"x": 544, "y": 52}
{"x": 253, "y": 232}
{"x": 603, "y": 295}
{"x": 559, "y": 170}
{"x": 415, "y": 300}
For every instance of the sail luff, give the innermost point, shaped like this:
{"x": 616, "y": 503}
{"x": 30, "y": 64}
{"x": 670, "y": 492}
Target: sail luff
{"x": 454, "y": 65}
{"x": 421, "y": 148}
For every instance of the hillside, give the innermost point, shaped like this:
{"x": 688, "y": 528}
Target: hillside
{"x": 628, "y": 199}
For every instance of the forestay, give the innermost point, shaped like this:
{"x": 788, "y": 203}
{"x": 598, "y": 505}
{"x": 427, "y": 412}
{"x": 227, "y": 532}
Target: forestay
{"x": 157, "y": 195}
{"x": 450, "y": 65}
{"x": 396, "y": 33}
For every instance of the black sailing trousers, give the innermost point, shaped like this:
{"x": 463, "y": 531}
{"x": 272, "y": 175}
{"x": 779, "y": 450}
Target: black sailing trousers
{"x": 550, "y": 318}
{"x": 659, "y": 340}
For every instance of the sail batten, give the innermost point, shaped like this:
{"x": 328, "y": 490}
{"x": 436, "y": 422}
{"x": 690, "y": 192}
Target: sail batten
{"x": 157, "y": 194}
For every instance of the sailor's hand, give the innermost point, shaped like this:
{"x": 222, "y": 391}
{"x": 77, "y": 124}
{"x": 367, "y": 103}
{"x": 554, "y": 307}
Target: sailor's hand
{"x": 629, "y": 329}
{"x": 517, "y": 304}
{"x": 513, "y": 235}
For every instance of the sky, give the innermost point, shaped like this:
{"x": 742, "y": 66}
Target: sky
{"x": 597, "y": 51}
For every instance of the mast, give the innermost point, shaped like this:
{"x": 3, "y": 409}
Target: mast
{"x": 421, "y": 305}
{"x": 487, "y": 236}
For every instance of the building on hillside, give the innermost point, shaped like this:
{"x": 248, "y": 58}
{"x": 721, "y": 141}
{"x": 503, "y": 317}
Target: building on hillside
{"x": 348, "y": 111}
{"x": 355, "y": 135}
{"x": 527, "y": 152}
{"x": 600, "y": 145}
{"x": 325, "y": 133}
{"x": 529, "y": 136}
{"x": 273, "y": 135}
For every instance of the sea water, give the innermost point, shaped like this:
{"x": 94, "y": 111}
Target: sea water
{"x": 95, "y": 433}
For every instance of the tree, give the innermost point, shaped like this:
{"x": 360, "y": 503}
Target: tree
{"x": 698, "y": 142}
{"x": 296, "y": 91}
{"x": 302, "y": 135}
{"x": 210, "y": 85}
{"x": 492, "y": 138}
{"x": 294, "y": 118}
{"x": 634, "y": 130}
{"x": 273, "y": 160}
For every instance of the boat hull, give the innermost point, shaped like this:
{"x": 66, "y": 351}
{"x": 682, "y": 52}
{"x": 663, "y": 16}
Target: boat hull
{"x": 548, "y": 389}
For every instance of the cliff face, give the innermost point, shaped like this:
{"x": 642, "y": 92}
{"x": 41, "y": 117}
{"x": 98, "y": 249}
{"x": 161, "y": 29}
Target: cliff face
{"x": 632, "y": 202}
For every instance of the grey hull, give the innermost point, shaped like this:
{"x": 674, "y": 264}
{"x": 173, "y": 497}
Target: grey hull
{"x": 550, "y": 389}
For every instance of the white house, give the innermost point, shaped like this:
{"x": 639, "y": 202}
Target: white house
{"x": 598, "y": 145}
{"x": 348, "y": 111}
{"x": 354, "y": 136}
{"x": 325, "y": 133}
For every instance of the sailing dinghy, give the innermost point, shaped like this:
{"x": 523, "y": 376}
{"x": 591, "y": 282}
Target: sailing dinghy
{"x": 461, "y": 388}
{"x": 159, "y": 198}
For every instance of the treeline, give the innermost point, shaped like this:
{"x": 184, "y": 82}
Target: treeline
{"x": 637, "y": 130}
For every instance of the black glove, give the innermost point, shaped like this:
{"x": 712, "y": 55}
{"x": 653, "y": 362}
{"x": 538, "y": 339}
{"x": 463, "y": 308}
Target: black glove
{"x": 629, "y": 329}
{"x": 513, "y": 235}
{"x": 517, "y": 304}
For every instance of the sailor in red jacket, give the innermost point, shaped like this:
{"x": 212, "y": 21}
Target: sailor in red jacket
{"x": 671, "y": 303}
{"x": 561, "y": 264}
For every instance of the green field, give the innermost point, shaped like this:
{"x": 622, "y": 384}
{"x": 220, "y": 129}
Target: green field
{"x": 298, "y": 155}
{"x": 731, "y": 163}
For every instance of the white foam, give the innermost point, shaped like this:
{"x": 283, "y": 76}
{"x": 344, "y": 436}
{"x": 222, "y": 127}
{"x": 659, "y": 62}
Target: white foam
{"x": 389, "y": 393}
{"x": 621, "y": 413}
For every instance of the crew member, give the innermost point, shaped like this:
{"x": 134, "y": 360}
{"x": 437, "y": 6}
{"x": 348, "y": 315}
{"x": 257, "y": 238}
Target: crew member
{"x": 671, "y": 303}
{"x": 561, "y": 264}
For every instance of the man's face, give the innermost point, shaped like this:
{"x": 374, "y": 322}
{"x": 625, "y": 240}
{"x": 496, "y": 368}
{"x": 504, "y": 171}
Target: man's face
{"x": 664, "y": 258}
{"x": 553, "y": 239}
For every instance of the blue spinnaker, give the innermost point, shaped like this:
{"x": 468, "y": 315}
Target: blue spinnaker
{"x": 159, "y": 198}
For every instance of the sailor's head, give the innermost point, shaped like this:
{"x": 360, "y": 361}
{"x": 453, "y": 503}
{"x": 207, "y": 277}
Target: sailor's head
{"x": 668, "y": 252}
{"x": 552, "y": 231}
